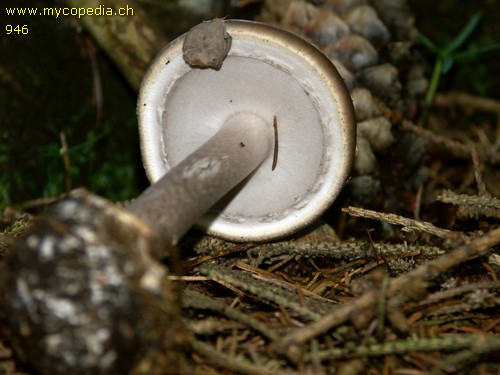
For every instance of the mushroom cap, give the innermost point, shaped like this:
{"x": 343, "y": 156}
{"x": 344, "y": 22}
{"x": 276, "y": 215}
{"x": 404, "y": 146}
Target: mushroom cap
{"x": 271, "y": 73}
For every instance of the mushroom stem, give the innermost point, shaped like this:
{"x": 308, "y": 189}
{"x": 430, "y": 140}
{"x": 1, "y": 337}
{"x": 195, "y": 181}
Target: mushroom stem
{"x": 173, "y": 204}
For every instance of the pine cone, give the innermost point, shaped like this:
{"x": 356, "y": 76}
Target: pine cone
{"x": 370, "y": 43}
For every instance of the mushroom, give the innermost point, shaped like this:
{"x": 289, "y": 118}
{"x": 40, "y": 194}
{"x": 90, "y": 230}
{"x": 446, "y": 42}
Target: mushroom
{"x": 270, "y": 131}
{"x": 252, "y": 149}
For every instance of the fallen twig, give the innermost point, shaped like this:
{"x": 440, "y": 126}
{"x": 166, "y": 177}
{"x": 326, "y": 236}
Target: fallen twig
{"x": 472, "y": 206}
{"x": 457, "y": 98}
{"x": 479, "y": 246}
{"x": 483, "y": 344}
{"x": 312, "y": 248}
{"x": 459, "y": 149}
{"x": 193, "y": 299}
{"x": 232, "y": 363}
{"x": 408, "y": 224}
{"x": 452, "y": 342}
{"x": 276, "y": 295}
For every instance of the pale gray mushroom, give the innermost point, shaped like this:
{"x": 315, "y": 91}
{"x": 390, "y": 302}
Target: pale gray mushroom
{"x": 251, "y": 151}
{"x": 81, "y": 293}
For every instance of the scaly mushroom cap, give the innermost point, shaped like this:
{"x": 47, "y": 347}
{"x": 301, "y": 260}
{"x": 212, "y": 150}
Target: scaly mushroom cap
{"x": 270, "y": 74}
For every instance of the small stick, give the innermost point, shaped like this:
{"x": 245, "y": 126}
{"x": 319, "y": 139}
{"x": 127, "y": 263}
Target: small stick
{"x": 233, "y": 363}
{"x": 275, "y": 155}
{"x": 463, "y": 99}
{"x": 481, "y": 187}
{"x": 477, "y": 247}
{"x": 407, "y": 223}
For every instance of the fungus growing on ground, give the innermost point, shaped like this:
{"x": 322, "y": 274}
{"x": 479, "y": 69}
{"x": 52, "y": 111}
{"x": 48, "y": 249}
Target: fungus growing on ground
{"x": 265, "y": 142}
